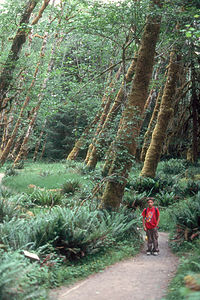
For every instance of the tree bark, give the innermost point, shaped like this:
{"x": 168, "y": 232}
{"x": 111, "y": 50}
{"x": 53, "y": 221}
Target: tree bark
{"x": 13, "y": 55}
{"x": 148, "y": 134}
{"x": 166, "y": 111}
{"x": 40, "y": 99}
{"x": 80, "y": 142}
{"x": 91, "y": 158}
{"x": 125, "y": 142}
{"x": 195, "y": 105}
{"x": 39, "y": 141}
{"x": 102, "y": 134}
{"x": 9, "y": 144}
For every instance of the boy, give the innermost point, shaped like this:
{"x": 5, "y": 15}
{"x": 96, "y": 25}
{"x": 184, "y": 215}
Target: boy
{"x": 151, "y": 218}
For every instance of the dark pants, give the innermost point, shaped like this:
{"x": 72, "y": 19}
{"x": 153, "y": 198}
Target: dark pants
{"x": 152, "y": 240}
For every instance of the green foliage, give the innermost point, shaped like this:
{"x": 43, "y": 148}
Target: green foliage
{"x": 15, "y": 278}
{"x": 183, "y": 285}
{"x": 10, "y": 171}
{"x": 145, "y": 184}
{"x": 192, "y": 187}
{"x": 133, "y": 199}
{"x": 72, "y": 232}
{"x": 63, "y": 130}
{"x": 70, "y": 187}
{"x": 186, "y": 216}
{"x": 45, "y": 197}
{"x": 173, "y": 166}
{"x": 165, "y": 198}
{"x": 19, "y": 165}
{"x": 8, "y": 210}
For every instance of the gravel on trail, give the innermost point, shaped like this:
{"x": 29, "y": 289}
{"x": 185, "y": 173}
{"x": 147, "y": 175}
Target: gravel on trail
{"x": 139, "y": 278}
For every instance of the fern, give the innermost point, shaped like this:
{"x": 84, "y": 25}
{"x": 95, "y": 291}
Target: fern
{"x": 72, "y": 231}
{"x": 14, "y": 278}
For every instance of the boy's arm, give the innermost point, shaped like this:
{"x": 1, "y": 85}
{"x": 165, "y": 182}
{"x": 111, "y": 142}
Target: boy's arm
{"x": 158, "y": 221}
{"x": 144, "y": 226}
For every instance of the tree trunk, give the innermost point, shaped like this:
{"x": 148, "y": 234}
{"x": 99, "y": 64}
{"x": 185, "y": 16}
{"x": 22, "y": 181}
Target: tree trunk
{"x": 40, "y": 99}
{"x": 195, "y": 104}
{"x": 125, "y": 142}
{"x": 91, "y": 159}
{"x": 166, "y": 111}
{"x": 43, "y": 148}
{"x": 80, "y": 142}
{"x": 18, "y": 41}
{"x": 9, "y": 144}
{"x": 39, "y": 16}
{"x": 100, "y": 139}
{"x": 38, "y": 142}
{"x": 148, "y": 134}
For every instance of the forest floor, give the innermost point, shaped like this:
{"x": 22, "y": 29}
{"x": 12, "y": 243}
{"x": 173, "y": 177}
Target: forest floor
{"x": 139, "y": 278}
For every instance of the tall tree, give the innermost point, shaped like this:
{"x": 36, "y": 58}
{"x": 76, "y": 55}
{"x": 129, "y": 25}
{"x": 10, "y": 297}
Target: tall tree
{"x": 6, "y": 75}
{"x": 125, "y": 142}
{"x": 9, "y": 144}
{"x": 90, "y": 161}
{"x": 164, "y": 116}
{"x": 119, "y": 99}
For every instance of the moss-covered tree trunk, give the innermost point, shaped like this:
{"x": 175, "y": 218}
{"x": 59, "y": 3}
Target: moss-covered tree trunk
{"x": 81, "y": 141}
{"x": 11, "y": 140}
{"x": 37, "y": 146}
{"x": 125, "y": 142}
{"x": 91, "y": 160}
{"x": 195, "y": 105}
{"x": 148, "y": 133}
{"x": 166, "y": 111}
{"x": 102, "y": 134}
{"x": 6, "y": 75}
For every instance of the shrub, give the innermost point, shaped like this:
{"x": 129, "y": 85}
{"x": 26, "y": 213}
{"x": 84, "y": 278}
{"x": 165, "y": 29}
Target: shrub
{"x": 166, "y": 198}
{"x": 186, "y": 283}
{"x": 45, "y": 197}
{"x": 74, "y": 233}
{"x": 192, "y": 188}
{"x": 8, "y": 209}
{"x": 145, "y": 184}
{"x": 186, "y": 215}
{"x": 10, "y": 171}
{"x": 70, "y": 186}
{"x": 173, "y": 166}
{"x": 132, "y": 199}
{"x": 19, "y": 165}
{"x": 15, "y": 280}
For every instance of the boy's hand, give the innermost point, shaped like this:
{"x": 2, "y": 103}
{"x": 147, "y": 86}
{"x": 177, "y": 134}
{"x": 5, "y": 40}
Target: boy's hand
{"x": 145, "y": 229}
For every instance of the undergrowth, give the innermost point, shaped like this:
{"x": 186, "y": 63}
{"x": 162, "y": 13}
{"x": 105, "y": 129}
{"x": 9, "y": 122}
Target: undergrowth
{"x": 57, "y": 218}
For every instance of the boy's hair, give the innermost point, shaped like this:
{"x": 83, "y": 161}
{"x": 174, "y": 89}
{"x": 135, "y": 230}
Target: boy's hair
{"x": 150, "y": 198}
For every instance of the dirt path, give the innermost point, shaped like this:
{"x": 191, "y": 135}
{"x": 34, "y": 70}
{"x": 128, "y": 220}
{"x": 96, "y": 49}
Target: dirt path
{"x": 140, "y": 278}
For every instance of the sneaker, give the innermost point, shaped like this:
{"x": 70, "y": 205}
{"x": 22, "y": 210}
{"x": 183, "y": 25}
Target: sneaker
{"x": 148, "y": 253}
{"x": 155, "y": 253}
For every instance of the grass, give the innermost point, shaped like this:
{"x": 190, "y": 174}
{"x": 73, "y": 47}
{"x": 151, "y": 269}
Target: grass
{"x": 189, "y": 267}
{"x": 43, "y": 175}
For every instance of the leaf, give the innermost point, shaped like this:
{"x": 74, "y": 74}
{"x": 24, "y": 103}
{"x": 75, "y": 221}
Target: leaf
{"x": 188, "y": 34}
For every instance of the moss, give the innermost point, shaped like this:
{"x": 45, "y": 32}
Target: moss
{"x": 166, "y": 111}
